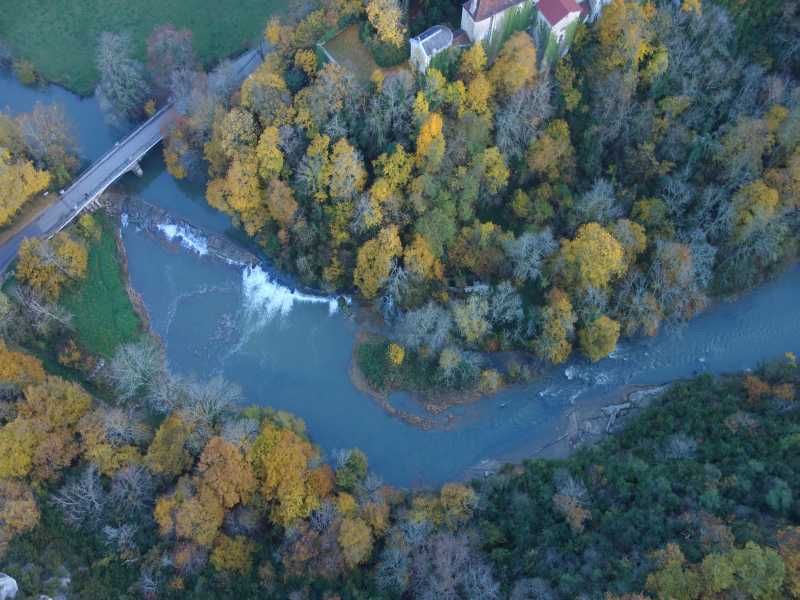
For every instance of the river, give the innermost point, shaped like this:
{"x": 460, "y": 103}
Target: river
{"x": 291, "y": 351}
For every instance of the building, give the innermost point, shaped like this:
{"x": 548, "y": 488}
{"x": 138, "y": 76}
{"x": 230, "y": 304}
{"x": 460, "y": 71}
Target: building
{"x": 558, "y": 15}
{"x": 428, "y": 44}
{"x": 480, "y": 19}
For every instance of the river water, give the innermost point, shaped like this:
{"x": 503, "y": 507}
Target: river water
{"x": 292, "y": 351}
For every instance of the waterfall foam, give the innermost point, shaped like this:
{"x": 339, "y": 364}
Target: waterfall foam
{"x": 267, "y": 298}
{"x": 188, "y": 239}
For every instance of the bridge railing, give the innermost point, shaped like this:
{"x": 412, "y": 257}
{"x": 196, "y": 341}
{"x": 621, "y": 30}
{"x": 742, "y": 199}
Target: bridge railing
{"x": 116, "y": 148}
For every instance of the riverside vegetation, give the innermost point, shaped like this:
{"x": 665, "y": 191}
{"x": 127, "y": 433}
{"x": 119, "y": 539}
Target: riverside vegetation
{"x": 487, "y": 206}
{"x": 492, "y": 205}
{"x": 141, "y": 484}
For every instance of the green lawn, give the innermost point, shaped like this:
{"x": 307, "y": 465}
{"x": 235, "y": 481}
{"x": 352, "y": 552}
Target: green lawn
{"x": 103, "y": 315}
{"x": 60, "y": 36}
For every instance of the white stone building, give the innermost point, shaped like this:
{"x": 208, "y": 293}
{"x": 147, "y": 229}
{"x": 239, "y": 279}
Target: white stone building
{"x": 480, "y": 19}
{"x": 428, "y": 44}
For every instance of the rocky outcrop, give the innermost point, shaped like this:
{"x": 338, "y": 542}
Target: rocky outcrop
{"x": 8, "y": 587}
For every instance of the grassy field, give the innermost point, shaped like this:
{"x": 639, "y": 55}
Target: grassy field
{"x": 103, "y": 315}
{"x": 60, "y": 36}
{"x": 347, "y": 49}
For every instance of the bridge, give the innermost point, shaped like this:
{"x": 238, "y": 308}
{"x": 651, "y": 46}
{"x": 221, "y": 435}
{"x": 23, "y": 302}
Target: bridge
{"x": 123, "y": 158}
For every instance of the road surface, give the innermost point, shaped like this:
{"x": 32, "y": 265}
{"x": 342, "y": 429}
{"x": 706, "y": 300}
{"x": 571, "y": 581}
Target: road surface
{"x": 122, "y": 158}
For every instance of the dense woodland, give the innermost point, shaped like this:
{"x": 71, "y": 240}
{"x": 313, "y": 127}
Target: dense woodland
{"x": 155, "y": 486}
{"x": 491, "y": 204}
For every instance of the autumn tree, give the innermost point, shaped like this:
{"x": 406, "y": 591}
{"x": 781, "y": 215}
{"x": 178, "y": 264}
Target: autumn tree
{"x": 19, "y": 369}
{"x": 430, "y": 142}
{"x": 42, "y": 440}
{"x": 592, "y": 258}
{"x": 168, "y": 454}
{"x": 375, "y": 259}
{"x": 281, "y": 203}
{"x": 623, "y": 34}
{"x": 419, "y": 260}
{"x": 47, "y": 265}
{"x": 281, "y": 461}
{"x": 190, "y": 514}
{"x": 233, "y": 554}
{"x": 755, "y": 204}
{"x": 19, "y": 512}
{"x": 240, "y": 194}
{"x": 558, "y": 326}
{"x": 473, "y": 61}
{"x": 269, "y": 154}
{"x": 551, "y": 155}
{"x": 355, "y": 539}
{"x": 19, "y": 180}
{"x": 222, "y": 467}
{"x": 348, "y": 175}
{"x": 386, "y": 16}
{"x": 599, "y": 338}
{"x": 515, "y": 67}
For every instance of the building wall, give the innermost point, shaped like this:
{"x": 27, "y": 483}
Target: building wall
{"x": 419, "y": 58}
{"x": 486, "y": 28}
{"x": 561, "y": 27}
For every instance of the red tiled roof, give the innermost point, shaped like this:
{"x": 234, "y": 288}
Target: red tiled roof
{"x": 555, "y": 10}
{"x": 487, "y": 8}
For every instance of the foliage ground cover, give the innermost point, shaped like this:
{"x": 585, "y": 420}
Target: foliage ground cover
{"x": 102, "y": 311}
{"x": 348, "y": 50}
{"x": 60, "y": 36}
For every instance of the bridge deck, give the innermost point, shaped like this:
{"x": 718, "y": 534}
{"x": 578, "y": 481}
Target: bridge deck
{"x": 105, "y": 171}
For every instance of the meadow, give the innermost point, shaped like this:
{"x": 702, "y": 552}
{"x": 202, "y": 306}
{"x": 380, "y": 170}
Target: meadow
{"x": 60, "y": 36}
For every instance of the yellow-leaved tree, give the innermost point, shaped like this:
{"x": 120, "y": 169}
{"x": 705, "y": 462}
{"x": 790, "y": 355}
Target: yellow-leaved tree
{"x": 19, "y": 180}
{"x": 515, "y": 67}
{"x": 599, "y": 338}
{"x": 386, "y": 16}
{"x": 281, "y": 461}
{"x": 374, "y": 261}
{"x": 593, "y": 258}
{"x": 46, "y": 265}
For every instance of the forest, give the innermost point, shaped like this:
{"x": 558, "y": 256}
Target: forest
{"x": 143, "y": 484}
{"x": 491, "y": 204}
{"x": 502, "y": 201}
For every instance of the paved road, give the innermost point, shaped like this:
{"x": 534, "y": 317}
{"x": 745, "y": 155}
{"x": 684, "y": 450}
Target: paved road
{"x": 120, "y": 159}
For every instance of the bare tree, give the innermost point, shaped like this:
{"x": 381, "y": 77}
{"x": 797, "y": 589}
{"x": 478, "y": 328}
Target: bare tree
{"x": 135, "y": 368}
{"x": 428, "y": 326}
{"x": 82, "y": 500}
{"x": 518, "y": 120}
{"x": 528, "y": 253}
{"x": 323, "y": 517}
{"x": 123, "y": 88}
{"x": 123, "y": 540}
{"x": 169, "y": 50}
{"x": 208, "y": 400}
{"x": 599, "y": 204}
{"x": 50, "y": 140}
{"x": 132, "y": 488}
{"x": 122, "y": 427}
{"x": 43, "y": 316}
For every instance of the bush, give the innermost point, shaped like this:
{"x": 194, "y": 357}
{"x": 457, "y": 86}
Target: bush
{"x": 26, "y": 72}
{"x": 373, "y": 361}
{"x": 386, "y": 55}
